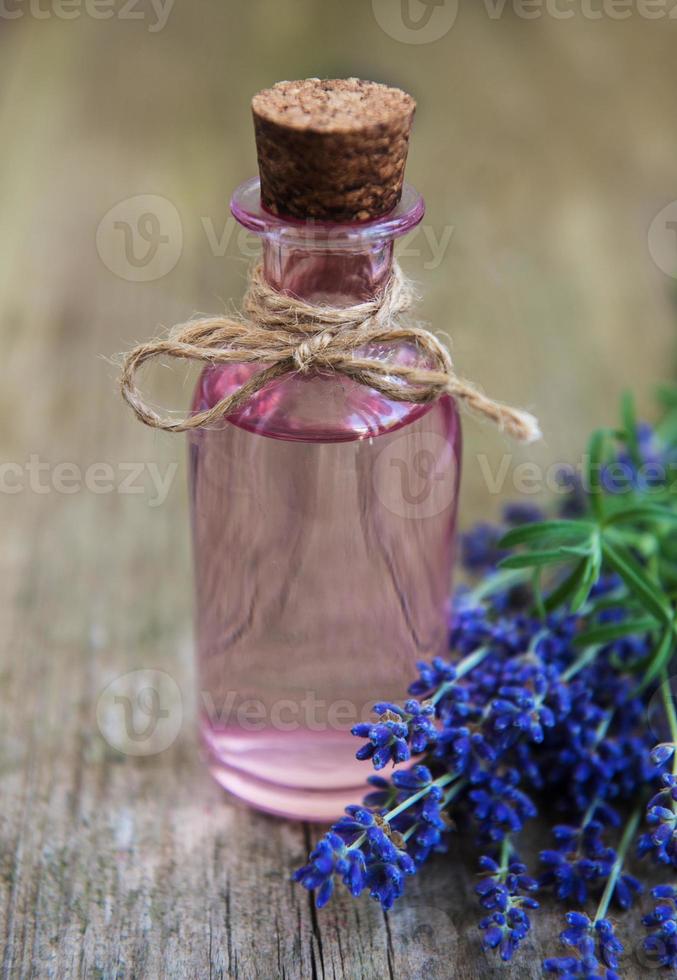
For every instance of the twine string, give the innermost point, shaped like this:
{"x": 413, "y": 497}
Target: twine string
{"x": 285, "y": 334}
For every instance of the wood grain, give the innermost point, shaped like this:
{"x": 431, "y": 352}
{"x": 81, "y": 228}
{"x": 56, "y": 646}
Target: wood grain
{"x": 546, "y": 148}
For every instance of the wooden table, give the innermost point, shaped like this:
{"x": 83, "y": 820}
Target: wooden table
{"x": 545, "y": 149}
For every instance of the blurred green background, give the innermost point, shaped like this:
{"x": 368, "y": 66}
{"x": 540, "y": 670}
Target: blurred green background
{"x": 545, "y": 146}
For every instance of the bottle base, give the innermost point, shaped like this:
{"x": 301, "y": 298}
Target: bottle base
{"x": 290, "y": 802}
{"x": 250, "y": 766}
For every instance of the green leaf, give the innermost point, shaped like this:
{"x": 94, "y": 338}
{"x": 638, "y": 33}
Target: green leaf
{"x": 667, "y": 395}
{"x": 635, "y": 577}
{"x": 643, "y": 513}
{"x": 667, "y": 426}
{"x": 621, "y": 603}
{"x": 594, "y": 470}
{"x": 538, "y": 593}
{"x": 570, "y": 531}
{"x": 567, "y": 587}
{"x": 577, "y": 550}
{"x": 629, "y": 418}
{"x": 536, "y": 558}
{"x": 609, "y": 632}
{"x": 584, "y": 586}
{"x": 591, "y": 572}
{"x": 660, "y": 659}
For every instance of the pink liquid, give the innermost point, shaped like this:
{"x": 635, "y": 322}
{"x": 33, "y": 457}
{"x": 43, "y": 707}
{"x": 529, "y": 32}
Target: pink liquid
{"x": 323, "y": 522}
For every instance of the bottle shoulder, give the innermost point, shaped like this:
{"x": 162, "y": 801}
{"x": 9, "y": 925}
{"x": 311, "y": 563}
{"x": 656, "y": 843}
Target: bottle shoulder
{"x": 316, "y": 407}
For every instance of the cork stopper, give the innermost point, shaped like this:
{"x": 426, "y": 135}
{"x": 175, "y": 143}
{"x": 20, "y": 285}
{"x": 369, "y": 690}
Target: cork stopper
{"x": 332, "y": 150}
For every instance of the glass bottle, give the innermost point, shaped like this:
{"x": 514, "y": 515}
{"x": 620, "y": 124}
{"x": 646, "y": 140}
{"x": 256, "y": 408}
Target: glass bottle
{"x": 323, "y": 520}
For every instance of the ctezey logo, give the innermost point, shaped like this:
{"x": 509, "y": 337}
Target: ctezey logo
{"x": 140, "y": 713}
{"x": 656, "y": 956}
{"x": 415, "y": 21}
{"x": 415, "y": 475}
{"x": 663, "y": 239}
{"x": 140, "y": 238}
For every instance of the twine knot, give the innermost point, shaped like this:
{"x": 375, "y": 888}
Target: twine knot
{"x": 308, "y": 353}
{"x": 284, "y": 334}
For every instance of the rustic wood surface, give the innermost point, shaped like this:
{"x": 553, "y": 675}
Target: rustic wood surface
{"x": 544, "y": 147}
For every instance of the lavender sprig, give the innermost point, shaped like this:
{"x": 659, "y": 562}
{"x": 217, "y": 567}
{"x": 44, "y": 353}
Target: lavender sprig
{"x": 507, "y": 893}
{"x": 595, "y": 940}
{"x": 555, "y": 654}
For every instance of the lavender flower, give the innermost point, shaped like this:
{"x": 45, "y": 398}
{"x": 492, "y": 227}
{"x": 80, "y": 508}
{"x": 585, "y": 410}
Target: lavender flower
{"x": 597, "y": 945}
{"x": 388, "y": 737}
{"x": 479, "y": 548}
{"x": 662, "y": 753}
{"x": 579, "y": 861}
{"x": 661, "y": 942}
{"x": 661, "y": 842}
{"x": 362, "y": 851}
{"x": 521, "y": 512}
{"x": 331, "y": 857}
{"x": 506, "y": 892}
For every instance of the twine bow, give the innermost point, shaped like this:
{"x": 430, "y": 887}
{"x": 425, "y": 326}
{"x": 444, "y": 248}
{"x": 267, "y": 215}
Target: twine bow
{"x": 286, "y": 335}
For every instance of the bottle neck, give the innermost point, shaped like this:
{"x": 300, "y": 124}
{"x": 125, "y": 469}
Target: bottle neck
{"x": 319, "y": 274}
{"x": 336, "y": 264}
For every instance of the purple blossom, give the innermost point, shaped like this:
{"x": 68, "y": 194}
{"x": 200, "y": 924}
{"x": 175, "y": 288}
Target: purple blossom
{"x": 597, "y": 946}
{"x": 661, "y": 943}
